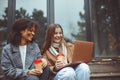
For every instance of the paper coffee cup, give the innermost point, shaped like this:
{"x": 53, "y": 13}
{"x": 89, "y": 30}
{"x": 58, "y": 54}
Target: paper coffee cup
{"x": 38, "y": 64}
{"x": 60, "y": 57}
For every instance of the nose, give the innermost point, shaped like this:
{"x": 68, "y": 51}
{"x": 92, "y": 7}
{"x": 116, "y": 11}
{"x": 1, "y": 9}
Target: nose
{"x": 58, "y": 34}
{"x": 33, "y": 33}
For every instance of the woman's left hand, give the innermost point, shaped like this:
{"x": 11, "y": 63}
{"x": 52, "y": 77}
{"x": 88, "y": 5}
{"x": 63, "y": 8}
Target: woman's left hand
{"x": 44, "y": 64}
{"x": 59, "y": 64}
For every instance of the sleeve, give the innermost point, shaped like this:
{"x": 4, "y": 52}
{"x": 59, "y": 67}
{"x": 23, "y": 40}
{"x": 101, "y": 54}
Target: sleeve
{"x": 49, "y": 62}
{"x": 37, "y": 50}
{"x": 8, "y": 66}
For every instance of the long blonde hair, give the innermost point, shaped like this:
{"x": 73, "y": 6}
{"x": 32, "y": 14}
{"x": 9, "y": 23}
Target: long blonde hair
{"x": 49, "y": 36}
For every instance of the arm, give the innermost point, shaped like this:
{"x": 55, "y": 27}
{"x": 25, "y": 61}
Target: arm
{"x": 44, "y": 61}
{"x": 50, "y": 60}
{"x": 9, "y": 68}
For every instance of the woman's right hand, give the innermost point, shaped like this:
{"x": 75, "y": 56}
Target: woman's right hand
{"x": 34, "y": 72}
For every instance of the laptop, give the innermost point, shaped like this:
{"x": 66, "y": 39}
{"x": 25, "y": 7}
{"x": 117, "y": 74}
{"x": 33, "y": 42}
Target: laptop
{"x": 82, "y": 51}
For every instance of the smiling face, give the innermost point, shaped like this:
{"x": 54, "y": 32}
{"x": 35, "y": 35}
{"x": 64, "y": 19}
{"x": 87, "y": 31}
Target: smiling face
{"x": 27, "y": 35}
{"x": 57, "y": 38}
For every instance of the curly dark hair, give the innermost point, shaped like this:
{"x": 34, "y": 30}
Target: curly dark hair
{"x": 21, "y": 24}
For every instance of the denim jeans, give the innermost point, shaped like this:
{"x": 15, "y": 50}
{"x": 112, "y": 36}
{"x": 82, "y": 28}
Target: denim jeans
{"x": 81, "y": 72}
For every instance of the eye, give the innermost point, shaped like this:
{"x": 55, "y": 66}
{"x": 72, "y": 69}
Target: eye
{"x": 60, "y": 32}
{"x": 31, "y": 30}
{"x": 56, "y": 33}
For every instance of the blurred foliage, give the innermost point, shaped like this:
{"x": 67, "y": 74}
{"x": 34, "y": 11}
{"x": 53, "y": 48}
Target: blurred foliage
{"x": 37, "y": 15}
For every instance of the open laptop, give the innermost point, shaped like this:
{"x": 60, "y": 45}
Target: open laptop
{"x": 82, "y": 51}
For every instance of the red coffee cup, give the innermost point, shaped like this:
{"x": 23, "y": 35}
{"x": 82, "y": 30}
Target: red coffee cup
{"x": 60, "y": 57}
{"x": 38, "y": 64}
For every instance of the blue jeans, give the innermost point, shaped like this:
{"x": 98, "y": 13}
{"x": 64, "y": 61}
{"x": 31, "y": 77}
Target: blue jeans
{"x": 43, "y": 76}
{"x": 81, "y": 72}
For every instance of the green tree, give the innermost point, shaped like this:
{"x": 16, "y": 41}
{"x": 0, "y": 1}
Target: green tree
{"x": 21, "y": 13}
{"x": 3, "y": 22}
{"x": 38, "y": 16}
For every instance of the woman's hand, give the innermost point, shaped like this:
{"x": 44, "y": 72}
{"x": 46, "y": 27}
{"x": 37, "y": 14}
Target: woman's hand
{"x": 44, "y": 64}
{"x": 35, "y": 72}
{"x": 59, "y": 64}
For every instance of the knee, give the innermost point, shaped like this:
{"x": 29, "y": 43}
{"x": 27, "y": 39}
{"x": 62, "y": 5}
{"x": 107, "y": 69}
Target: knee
{"x": 84, "y": 67}
{"x": 46, "y": 73}
{"x": 68, "y": 71}
{"x": 46, "y": 69}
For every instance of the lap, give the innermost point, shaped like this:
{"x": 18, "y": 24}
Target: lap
{"x": 31, "y": 77}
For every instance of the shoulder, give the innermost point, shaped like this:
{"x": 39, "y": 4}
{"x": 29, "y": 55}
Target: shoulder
{"x": 68, "y": 44}
{"x": 34, "y": 44}
{"x": 7, "y": 47}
